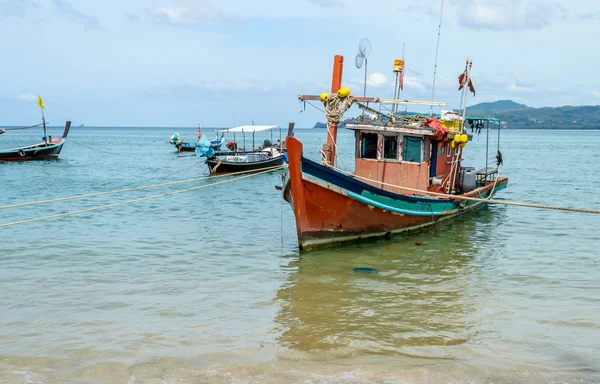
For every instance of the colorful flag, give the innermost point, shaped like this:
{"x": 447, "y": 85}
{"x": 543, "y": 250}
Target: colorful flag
{"x": 463, "y": 79}
{"x": 40, "y": 102}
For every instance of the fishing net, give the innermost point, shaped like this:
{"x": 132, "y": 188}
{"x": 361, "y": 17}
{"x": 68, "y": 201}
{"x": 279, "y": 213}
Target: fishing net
{"x": 336, "y": 106}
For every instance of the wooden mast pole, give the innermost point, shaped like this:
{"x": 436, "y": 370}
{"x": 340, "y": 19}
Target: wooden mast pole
{"x": 329, "y": 149}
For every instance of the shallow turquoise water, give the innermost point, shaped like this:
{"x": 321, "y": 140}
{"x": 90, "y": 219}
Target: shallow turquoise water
{"x": 208, "y": 286}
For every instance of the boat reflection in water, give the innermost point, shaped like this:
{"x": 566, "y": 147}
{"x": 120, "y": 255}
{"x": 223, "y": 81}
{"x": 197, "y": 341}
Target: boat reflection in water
{"x": 413, "y": 296}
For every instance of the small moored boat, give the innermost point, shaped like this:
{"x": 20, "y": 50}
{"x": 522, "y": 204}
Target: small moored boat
{"x": 240, "y": 160}
{"x": 185, "y": 146}
{"x": 48, "y": 149}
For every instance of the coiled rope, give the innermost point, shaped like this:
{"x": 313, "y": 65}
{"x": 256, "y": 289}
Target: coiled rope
{"x": 487, "y": 201}
{"x": 139, "y": 200}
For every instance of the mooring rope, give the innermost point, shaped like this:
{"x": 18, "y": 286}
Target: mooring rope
{"x": 19, "y": 128}
{"x": 181, "y": 170}
{"x": 128, "y": 189}
{"x": 96, "y": 149}
{"x": 487, "y": 201}
{"x": 135, "y": 200}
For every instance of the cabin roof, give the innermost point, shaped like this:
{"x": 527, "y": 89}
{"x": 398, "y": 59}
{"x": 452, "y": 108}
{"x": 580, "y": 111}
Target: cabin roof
{"x": 250, "y": 128}
{"x": 425, "y": 131}
{"x": 439, "y": 117}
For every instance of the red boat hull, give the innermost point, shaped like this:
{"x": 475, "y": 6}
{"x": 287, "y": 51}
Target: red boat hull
{"x": 325, "y": 215}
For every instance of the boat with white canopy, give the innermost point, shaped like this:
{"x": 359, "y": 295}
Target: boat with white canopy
{"x": 239, "y": 159}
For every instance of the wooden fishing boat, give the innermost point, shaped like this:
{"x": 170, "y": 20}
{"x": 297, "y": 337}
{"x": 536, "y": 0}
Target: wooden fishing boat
{"x": 244, "y": 161}
{"x": 408, "y": 173}
{"x": 49, "y": 149}
{"x": 191, "y": 147}
{"x": 240, "y": 160}
{"x": 184, "y": 146}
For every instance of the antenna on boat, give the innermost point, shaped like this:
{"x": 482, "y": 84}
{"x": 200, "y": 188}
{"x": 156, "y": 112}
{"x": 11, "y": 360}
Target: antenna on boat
{"x": 437, "y": 49}
{"x": 364, "y": 50}
{"x": 399, "y": 86}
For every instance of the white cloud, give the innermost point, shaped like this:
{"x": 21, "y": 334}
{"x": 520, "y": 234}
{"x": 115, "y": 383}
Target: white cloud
{"x": 515, "y": 15}
{"x": 596, "y": 94}
{"x": 187, "y": 13}
{"x": 414, "y": 82}
{"x": 430, "y": 8}
{"x": 381, "y": 81}
{"x": 131, "y": 18}
{"x": 26, "y": 97}
{"x": 521, "y": 85}
{"x": 377, "y": 80}
{"x": 327, "y": 3}
{"x": 67, "y": 9}
{"x": 374, "y": 80}
{"x": 17, "y": 8}
{"x": 231, "y": 86}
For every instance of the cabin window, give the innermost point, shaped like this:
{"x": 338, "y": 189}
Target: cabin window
{"x": 411, "y": 149}
{"x": 448, "y": 151}
{"x": 390, "y": 147}
{"x": 442, "y": 148}
{"x": 368, "y": 147}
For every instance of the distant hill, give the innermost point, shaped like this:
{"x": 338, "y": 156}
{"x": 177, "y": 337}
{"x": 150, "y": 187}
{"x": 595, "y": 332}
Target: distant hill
{"x": 496, "y": 106}
{"x": 520, "y": 116}
{"x": 324, "y": 125}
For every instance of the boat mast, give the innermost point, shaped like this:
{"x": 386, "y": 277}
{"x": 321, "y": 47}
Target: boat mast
{"x": 399, "y": 72}
{"x": 465, "y": 93}
{"x": 329, "y": 149}
{"x": 42, "y": 106}
{"x": 437, "y": 49}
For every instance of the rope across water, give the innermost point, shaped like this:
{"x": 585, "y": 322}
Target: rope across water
{"x": 134, "y": 200}
{"x": 487, "y": 201}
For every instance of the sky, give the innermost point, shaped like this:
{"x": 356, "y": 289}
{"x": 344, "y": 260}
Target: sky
{"x": 180, "y": 63}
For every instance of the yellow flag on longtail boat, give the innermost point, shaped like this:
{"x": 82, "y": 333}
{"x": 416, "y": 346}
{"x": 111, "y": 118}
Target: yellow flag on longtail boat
{"x": 41, "y": 102}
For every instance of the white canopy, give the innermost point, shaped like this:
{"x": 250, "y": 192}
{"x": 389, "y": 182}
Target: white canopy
{"x": 250, "y": 128}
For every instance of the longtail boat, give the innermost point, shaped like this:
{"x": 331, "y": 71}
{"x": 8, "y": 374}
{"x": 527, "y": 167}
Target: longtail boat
{"x": 239, "y": 160}
{"x": 408, "y": 171}
{"x": 48, "y": 149}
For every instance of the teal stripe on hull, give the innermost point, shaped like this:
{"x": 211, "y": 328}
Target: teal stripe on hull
{"x": 392, "y": 208}
{"x": 421, "y": 208}
{"x": 435, "y": 208}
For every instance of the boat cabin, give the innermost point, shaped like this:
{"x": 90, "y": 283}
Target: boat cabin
{"x": 415, "y": 152}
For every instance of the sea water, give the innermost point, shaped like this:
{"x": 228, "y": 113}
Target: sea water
{"x": 208, "y": 286}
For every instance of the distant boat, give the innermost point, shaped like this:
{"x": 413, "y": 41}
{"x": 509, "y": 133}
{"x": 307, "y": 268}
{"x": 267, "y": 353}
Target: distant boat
{"x": 49, "y": 149}
{"x": 80, "y": 125}
{"x": 235, "y": 160}
{"x": 184, "y": 146}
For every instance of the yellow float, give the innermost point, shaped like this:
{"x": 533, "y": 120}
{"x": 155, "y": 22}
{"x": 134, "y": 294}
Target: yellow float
{"x": 344, "y": 92}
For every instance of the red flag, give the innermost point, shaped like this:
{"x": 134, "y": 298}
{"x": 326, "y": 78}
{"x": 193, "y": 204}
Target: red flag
{"x": 471, "y": 87}
{"x": 463, "y": 79}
